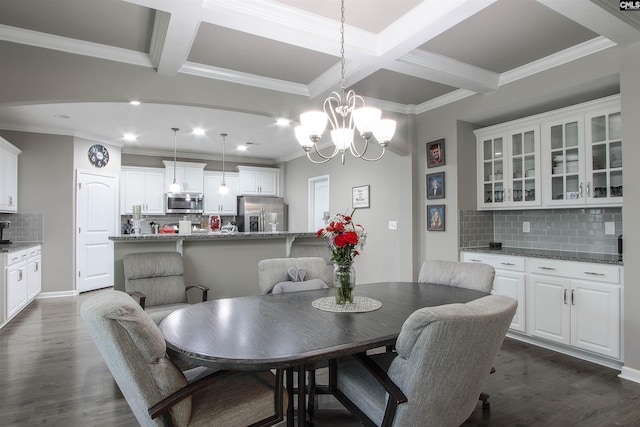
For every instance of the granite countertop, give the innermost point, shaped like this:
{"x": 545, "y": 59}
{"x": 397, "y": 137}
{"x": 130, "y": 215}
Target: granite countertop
{"x": 17, "y": 246}
{"x": 212, "y": 236}
{"x": 549, "y": 254}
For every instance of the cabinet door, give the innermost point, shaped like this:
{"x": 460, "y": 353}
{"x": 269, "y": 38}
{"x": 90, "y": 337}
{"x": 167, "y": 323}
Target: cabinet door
{"x": 8, "y": 181}
{"x": 512, "y": 284}
{"x": 249, "y": 182}
{"x": 16, "y": 279}
{"x": 193, "y": 179}
{"x": 212, "y": 181}
{"x": 595, "y": 317}
{"x": 154, "y": 192}
{"x": 229, "y": 201}
{"x": 604, "y": 157}
{"x": 268, "y": 183}
{"x": 549, "y": 309}
{"x": 563, "y": 147}
{"x": 132, "y": 191}
{"x": 491, "y": 172}
{"x": 34, "y": 277}
{"x": 524, "y": 167}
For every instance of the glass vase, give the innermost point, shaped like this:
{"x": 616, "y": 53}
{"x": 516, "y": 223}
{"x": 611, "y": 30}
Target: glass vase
{"x": 344, "y": 280}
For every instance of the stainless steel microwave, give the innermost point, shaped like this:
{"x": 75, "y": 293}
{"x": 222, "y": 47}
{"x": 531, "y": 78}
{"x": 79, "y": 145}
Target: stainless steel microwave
{"x": 184, "y": 203}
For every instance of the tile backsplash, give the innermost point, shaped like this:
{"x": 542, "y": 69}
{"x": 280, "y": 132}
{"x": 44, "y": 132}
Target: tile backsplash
{"x": 24, "y": 227}
{"x": 574, "y": 230}
{"x": 170, "y": 219}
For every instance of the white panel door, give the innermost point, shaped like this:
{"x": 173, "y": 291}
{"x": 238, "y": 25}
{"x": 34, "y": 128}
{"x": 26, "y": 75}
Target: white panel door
{"x": 96, "y": 221}
{"x": 318, "y": 201}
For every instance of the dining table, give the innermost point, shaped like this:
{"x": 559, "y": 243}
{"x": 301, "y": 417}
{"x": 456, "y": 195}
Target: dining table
{"x": 287, "y": 331}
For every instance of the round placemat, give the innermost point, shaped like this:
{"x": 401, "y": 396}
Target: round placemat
{"x": 360, "y": 305}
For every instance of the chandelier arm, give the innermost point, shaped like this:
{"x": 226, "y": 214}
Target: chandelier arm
{"x": 317, "y": 162}
{"x": 377, "y": 158}
{"x": 354, "y": 150}
{"x": 335, "y": 151}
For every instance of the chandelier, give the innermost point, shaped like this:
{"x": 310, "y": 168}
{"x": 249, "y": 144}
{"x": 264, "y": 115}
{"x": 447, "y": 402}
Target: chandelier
{"x": 344, "y": 111}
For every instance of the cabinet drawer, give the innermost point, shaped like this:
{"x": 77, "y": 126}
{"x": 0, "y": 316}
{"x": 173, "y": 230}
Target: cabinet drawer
{"x": 15, "y": 257}
{"x": 499, "y": 262}
{"x": 576, "y": 270}
{"x": 34, "y": 251}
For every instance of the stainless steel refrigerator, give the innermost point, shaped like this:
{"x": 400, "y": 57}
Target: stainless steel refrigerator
{"x": 257, "y": 213}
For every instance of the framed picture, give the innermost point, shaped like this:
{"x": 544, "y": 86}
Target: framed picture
{"x": 435, "y": 217}
{"x": 435, "y": 185}
{"x": 360, "y": 197}
{"x": 435, "y": 153}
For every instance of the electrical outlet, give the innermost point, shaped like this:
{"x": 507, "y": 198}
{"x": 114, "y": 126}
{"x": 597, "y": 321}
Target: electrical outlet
{"x": 610, "y": 227}
{"x": 393, "y": 225}
{"x": 526, "y": 227}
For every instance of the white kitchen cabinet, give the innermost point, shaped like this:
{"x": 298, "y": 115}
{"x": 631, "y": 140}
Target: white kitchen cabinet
{"x": 15, "y": 275}
{"x": 257, "y": 181}
{"x": 509, "y": 168}
{"x": 189, "y": 176}
{"x": 582, "y": 161}
{"x": 142, "y": 186}
{"x": 8, "y": 176}
{"x": 216, "y": 203}
{"x": 34, "y": 273}
{"x": 575, "y": 304}
{"x": 510, "y": 281}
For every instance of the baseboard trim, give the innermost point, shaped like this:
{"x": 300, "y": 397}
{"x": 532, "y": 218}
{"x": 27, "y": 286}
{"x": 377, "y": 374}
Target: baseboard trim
{"x": 57, "y": 294}
{"x": 630, "y": 374}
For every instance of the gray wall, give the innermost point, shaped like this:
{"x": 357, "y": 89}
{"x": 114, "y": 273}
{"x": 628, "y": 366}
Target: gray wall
{"x": 631, "y": 211}
{"x": 45, "y": 185}
{"x": 391, "y": 199}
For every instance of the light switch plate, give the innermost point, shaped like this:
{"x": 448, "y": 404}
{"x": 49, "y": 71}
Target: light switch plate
{"x": 526, "y": 227}
{"x": 610, "y": 227}
{"x": 393, "y": 225}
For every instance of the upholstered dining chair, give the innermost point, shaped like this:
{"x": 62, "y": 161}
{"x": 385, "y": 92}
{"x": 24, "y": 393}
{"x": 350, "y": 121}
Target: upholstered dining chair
{"x": 279, "y": 275}
{"x": 159, "y": 393}
{"x": 468, "y": 275}
{"x": 156, "y": 280}
{"x": 443, "y": 358}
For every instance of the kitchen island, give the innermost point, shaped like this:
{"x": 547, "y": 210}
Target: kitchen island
{"x": 225, "y": 262}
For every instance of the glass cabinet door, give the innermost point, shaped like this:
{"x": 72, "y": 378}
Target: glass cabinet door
{"x": 566, "y": 164}
{"x": 493, "y": 178}
{"x": 525, "y": 165}
{"x": 604, "y": 157}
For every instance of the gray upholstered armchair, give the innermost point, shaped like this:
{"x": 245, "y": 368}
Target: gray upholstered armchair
{"x": 156, "y": 280}
{"x": 443, "y": 357}
{"x": 278, "y": 275}
{"x": 159, "y": 393}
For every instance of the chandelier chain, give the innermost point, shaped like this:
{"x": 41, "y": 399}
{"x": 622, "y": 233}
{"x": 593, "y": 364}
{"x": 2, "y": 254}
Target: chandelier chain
{"x": 343, "y": 82}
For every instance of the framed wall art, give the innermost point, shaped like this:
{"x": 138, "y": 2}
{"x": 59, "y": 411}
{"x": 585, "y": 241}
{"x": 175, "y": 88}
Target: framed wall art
{"x": 435, "y": 218}
{"x": 435, "y": 185}
{"x": 435, "y": 153}
{"x": 360, "y": 197}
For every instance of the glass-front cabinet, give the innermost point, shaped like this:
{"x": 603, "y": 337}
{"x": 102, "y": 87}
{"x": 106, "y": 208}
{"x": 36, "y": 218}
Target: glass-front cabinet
{"x": 583, "y": 158}
{"x": 509, "y": 173}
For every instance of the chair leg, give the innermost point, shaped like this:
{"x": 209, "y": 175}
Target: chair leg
{"x": 311, "y": 396}
{"x": 486, "y": 406}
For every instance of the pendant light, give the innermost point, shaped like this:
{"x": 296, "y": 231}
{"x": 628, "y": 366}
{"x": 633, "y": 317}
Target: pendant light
{"x": 174, "y": 187}
{"x": 223, "y": 185}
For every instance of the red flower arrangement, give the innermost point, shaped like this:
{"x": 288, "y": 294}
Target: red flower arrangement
{"x": 343, "y": 237}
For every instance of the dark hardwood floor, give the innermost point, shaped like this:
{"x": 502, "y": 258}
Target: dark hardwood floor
{"x": 52, "y": 374}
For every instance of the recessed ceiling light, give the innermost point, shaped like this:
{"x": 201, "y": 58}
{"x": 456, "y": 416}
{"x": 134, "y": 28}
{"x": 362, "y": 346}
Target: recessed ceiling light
{"x": 283, "y": 122}
{"x": 241, "y": 148}
{"x": 134, "y": 102}
{"x": 129, "y": 137}
{"x": 198, "y": 131}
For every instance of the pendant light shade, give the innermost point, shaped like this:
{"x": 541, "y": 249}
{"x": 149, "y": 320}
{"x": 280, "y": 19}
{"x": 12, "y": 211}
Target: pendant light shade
{"x": 223, "y": 185}
{"x": 174, "y": 187}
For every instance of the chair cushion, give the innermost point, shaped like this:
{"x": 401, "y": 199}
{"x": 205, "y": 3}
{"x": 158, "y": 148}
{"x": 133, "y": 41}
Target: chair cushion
{"x": 473, "y": 275}
{"x": 153, "y": 264}
{"x": 307, "y": 285}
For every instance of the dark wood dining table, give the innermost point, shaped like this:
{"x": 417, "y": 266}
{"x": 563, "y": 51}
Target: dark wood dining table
{"x": 286, "y": 331}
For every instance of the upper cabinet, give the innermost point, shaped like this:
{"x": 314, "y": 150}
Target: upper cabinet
{"x": 190, "y": 176}
{"x": 216, "y": 203}
{"x": 257, "y": 181}
{"x": 509, "y": 172}
{"x": 567, "y": 157}
{"x": 8, "y": 176}
{"x": 142, "y": 186}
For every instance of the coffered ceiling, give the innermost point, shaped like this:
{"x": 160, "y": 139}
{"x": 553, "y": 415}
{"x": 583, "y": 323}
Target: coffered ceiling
{"x": 404, "y": 56}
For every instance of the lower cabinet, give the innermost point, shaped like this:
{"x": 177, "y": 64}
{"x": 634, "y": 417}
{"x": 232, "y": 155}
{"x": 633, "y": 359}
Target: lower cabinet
{"x": 576, "y": 305}
{"x": 21, "y": 280}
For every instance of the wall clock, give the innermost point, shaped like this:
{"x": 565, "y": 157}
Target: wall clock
{"x": 98, "y": 155}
